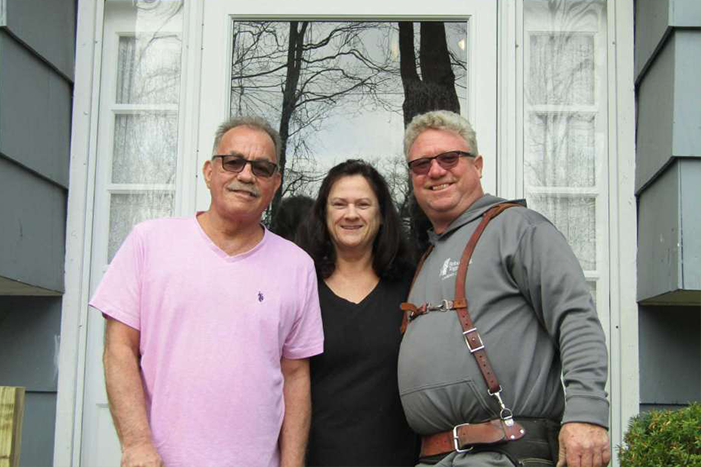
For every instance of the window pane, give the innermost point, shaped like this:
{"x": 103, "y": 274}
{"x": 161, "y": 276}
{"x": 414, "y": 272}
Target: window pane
{"x": 148, "y": 70}
{"x": 145, "y": 148}
{"x": 340, "y": 90}
{"x": 127, "y": 210}
{"x": 562, "y": 68}
{"x": 561, "y": 150}
{"x": 575, "y": 217}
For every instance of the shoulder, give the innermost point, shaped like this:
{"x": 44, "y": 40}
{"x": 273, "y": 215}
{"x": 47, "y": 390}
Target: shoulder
{"x": 516, "y": 222}
{"x": 158, "y": 231}
{"x": 285, "y": 252}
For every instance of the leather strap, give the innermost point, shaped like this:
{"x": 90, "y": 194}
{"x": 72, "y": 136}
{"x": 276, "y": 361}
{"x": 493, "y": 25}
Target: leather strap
{"x": 468, "y": 435}
{"x": 473, "y": 340}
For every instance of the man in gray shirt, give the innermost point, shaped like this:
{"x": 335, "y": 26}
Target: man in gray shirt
{"x": 529, "y": 303}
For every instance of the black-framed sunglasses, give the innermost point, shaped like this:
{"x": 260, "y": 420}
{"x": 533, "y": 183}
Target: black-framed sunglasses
{"x": 446, "y": 160}
{"x": 235, "y": 164}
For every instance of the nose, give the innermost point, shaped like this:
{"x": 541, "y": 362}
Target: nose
{"x": 246, "y": 175}
{"x": 435, "y": 170}
{"x": 351, "y": 211}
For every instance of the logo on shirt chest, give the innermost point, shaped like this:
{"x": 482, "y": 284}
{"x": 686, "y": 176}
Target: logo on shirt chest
{"x": 448, "y": 269}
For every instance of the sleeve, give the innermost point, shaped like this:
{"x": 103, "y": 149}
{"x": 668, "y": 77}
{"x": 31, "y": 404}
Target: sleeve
{"x": 551, "y": 278}
{"x": 306, "y": 337}
{"x": 119, "y": 294}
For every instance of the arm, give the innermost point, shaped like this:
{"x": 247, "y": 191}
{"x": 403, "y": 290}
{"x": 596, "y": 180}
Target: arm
{"x": 551, "y": 278}
{"x": 298, "y": 406}
{"x": 126, "y": 395}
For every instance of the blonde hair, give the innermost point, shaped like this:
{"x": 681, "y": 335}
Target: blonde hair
{"x": 440, "y": 120}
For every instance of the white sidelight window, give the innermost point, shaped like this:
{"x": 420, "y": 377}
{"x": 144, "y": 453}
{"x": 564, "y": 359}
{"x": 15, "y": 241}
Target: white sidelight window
{"x": 565, "y": 128}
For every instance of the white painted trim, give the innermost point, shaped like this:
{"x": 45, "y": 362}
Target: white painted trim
{"x": 625, "y": 393}
{"x": 506, "y": 99}
{"x": 190, "y": 99}
{"x": 78, "y": 236}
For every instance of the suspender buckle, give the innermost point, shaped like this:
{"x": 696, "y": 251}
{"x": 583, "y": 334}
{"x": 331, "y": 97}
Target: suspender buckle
{"x": 444, "y": 305}
{"x": 505, "y": 413}
{"x": 467, "y": 340}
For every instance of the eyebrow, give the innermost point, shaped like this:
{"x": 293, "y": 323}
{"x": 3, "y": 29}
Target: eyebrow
{"x": 235, "y": 153}
{"x": 339, "y": 198}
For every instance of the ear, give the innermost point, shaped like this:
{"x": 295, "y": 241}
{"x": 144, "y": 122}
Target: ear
{"x": 277, "y": 181}
{"x": 479, "y": 163}
{"x": 207, "y": 172}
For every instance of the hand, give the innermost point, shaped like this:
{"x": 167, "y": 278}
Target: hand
{"x": 141, "y": 455}
{"x": 583, "y": 445}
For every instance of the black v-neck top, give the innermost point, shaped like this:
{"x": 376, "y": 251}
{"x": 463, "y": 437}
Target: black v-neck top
{"x": 357, "y": 417}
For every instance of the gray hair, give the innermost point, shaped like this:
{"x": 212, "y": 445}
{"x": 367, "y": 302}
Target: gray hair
{"x": 256, "y": 123}
{"x": 440, "y": 120}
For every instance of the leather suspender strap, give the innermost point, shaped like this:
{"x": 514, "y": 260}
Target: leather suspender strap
{"x": 472, "y": 337}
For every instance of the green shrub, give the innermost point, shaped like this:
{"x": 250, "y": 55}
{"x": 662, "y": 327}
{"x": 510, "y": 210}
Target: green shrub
{"x": 663, "y": 439}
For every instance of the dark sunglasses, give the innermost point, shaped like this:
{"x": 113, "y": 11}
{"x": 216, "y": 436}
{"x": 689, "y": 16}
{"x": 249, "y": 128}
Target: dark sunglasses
{"x": 446, "y": 160}
{"x": 235, "y": 164}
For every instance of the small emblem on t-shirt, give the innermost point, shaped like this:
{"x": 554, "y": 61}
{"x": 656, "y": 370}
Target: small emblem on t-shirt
{"x": 260, "y": 296}
{"x": 449, "y": 269}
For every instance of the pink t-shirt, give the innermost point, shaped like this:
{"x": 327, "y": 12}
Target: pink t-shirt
{"x": 213, "y": 330}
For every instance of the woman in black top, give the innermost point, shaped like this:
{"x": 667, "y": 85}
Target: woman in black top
{"x": 364, "y": 268}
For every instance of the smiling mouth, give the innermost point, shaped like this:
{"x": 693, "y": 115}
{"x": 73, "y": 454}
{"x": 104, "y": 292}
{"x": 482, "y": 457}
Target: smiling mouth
{"x": 442, "y": 186}
{"x": 351, "y": 227}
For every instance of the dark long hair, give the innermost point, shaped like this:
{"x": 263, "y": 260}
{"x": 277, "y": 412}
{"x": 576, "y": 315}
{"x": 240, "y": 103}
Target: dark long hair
{"x": 391, "y": 256}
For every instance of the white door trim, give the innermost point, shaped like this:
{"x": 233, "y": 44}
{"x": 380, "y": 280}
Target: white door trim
{"x": 69, "y": 406}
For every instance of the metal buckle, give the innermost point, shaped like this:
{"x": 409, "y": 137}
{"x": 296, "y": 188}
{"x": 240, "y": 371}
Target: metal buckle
{"x": 505, "y": 414}
{"x": 467, "y": 341}
{"x": 445, "y": 305}
{"x": 456, "y": 439}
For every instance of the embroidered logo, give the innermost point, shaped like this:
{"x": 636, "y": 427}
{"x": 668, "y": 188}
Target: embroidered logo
{"x": 260, "y": 296}
{"x": 449, "y": 269}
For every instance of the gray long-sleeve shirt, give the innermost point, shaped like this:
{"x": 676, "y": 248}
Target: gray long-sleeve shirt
{"x": 530, "y": 302}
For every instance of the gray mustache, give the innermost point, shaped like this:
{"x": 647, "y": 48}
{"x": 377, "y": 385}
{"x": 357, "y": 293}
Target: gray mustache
{"x": 238, "y": 186}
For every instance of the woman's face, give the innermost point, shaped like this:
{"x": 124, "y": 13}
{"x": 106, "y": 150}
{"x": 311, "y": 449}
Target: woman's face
{"x": 352, "y": 214}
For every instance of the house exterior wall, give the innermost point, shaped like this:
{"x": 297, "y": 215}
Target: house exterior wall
{"x": 668, "y": 172}
{"x": 37, "y": 46}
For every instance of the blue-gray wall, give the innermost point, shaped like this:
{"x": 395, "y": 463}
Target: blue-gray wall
{"x": 37, "y": 48}
{"x": 668, "y": 187}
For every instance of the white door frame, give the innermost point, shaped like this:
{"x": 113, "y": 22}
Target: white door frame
{"x": 624, "y": 311}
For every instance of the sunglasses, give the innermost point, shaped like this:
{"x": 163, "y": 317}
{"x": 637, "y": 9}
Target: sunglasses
{"x": 235, "y": 164}
{"x": 446, "y": 160}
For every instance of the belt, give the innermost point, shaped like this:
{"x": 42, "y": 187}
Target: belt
{"x": 464, "y": 437}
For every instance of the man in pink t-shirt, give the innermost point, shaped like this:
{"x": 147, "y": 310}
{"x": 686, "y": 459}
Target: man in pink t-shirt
{"x": 211, "y": 320}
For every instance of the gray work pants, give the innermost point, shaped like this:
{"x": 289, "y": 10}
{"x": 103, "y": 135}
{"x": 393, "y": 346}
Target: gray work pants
{"x": 484, "y": 459}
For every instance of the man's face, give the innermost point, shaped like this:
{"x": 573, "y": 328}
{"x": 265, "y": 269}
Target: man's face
{"x": 444, "y": 194}
{"x": 243, "y": 195}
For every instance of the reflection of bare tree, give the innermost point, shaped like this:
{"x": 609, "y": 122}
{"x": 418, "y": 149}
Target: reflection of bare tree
{"x": 561, "y": 79}
{"x": 434, "y": 89}
{"x": 298, "y": 73}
